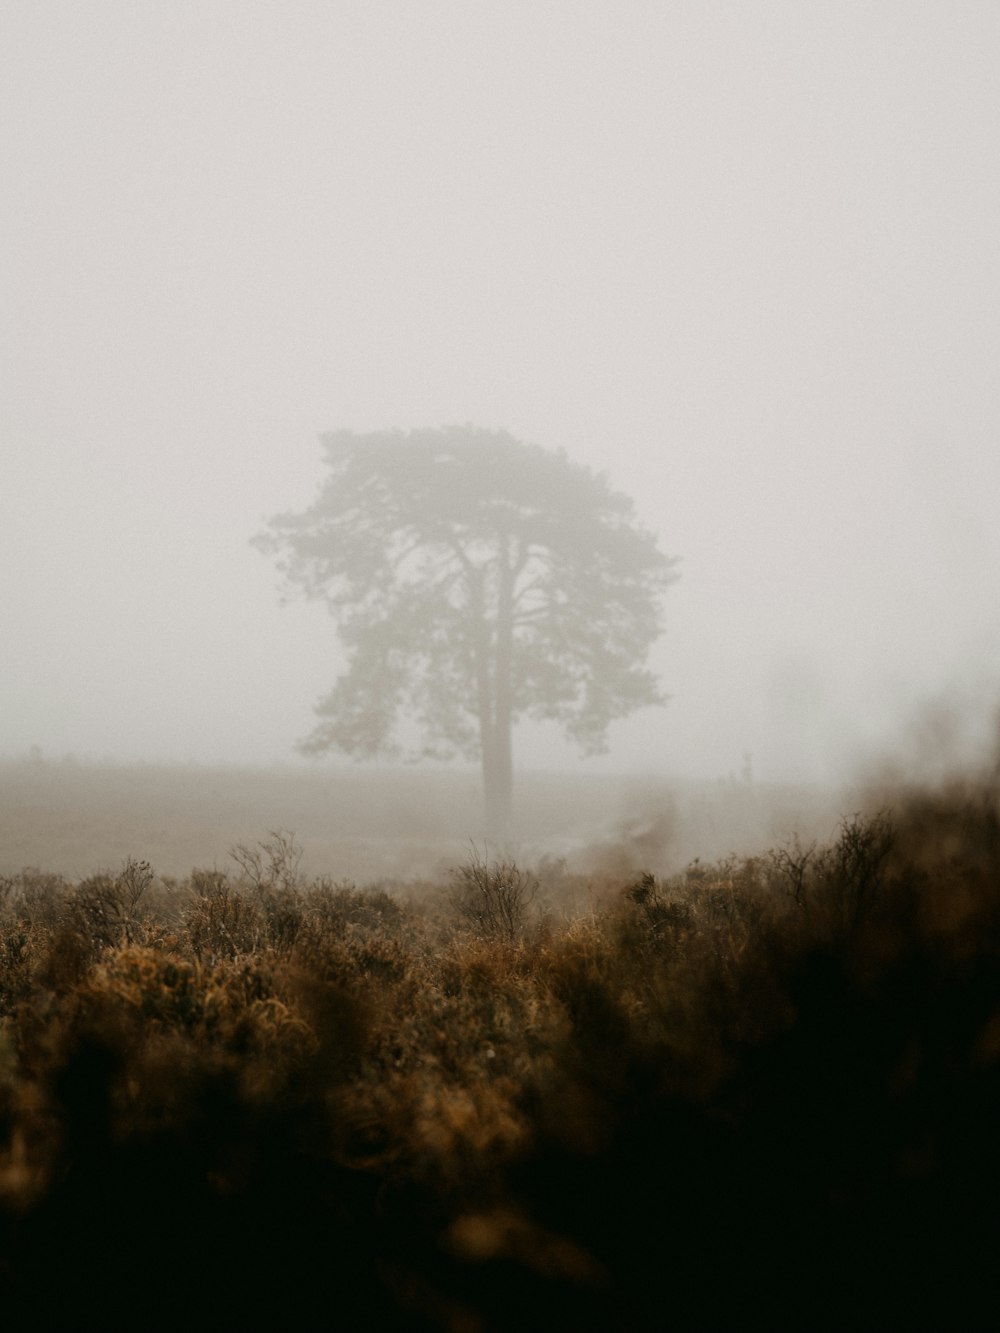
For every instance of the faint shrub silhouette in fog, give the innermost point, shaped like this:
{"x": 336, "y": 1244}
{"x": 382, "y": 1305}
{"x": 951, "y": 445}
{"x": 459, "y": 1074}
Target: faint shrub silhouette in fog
{"x": 493, "y": 896}
{"x": 857, "y": 863}
{"x": 271, "y": 866}
{"x": 847, "y": 878}
{"x": 790, "y": 867}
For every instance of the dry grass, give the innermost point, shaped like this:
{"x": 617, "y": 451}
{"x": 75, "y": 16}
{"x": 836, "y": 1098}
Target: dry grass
{"x": 762, "y": 1090}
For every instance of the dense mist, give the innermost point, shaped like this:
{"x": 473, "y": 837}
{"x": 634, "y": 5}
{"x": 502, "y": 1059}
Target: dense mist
{"x": 499, "y": 711}
{"x": 741, "y": 259}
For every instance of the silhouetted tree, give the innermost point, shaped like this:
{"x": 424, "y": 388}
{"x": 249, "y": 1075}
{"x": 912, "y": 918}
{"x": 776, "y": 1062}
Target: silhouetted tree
{"x": 475, "y": 579}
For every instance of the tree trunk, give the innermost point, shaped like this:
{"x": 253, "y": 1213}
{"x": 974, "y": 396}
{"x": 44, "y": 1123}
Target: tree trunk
{"x": 498, "y": 791}
{"x": 493, "y": 649}
{"x": 498, "y": 761}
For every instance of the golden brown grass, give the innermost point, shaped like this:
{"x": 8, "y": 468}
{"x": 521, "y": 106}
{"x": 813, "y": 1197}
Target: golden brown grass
{"x": 763, "y": 1090}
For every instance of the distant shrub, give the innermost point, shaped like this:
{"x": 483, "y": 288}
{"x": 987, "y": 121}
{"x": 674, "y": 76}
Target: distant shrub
{"x": 21, "y": 948}
{"x": 845, "y": 880}
{"x": 494, "y": 897}
{"x": 341, "y": 907}
{"x": 33, "y": 896}
{"x": 221, "y": 922}
{"x": 660, "y": 917}
{"x": 104, "y": 908}
{"x": 271, "y": 866}
{"x": 855, "y": 867}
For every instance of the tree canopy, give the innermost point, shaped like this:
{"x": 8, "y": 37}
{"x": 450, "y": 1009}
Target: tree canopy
{"x": 475, "y": 580}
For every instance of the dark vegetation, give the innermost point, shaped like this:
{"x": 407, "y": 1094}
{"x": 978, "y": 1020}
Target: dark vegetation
{"x": 759, "y": 1091}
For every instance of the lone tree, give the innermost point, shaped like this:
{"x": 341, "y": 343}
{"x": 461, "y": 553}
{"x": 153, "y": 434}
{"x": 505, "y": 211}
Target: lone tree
{"x": 475, "y": 580}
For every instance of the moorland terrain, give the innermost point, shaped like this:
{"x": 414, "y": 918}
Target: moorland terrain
{"x": 367, "y": 823}
{"x": 255, "y": 1079}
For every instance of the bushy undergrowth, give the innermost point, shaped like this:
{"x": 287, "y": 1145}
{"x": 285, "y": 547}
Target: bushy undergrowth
{"x": 764, "y": 1091}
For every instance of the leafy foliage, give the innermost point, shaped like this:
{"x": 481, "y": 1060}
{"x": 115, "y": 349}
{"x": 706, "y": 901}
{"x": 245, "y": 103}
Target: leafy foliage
{"x": 475, "y": 580}
{"x": 409, "y": 542}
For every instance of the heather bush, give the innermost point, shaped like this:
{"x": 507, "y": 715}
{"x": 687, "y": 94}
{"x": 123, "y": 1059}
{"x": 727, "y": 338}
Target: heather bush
{"x": 100, "y": 912}
{"x": 699, "y": 1103}
{"x": 221, "y": 922}
{"x": 493, "y": 897}
{"x": 21, "y": 944}
{"x": 33, "y": 897}
{"x": 340, "y": 908}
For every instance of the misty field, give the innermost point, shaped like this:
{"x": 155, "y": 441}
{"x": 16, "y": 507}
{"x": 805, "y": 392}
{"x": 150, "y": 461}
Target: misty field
{"x": 587, "y": 1085}
{"x": 368, "y": 823}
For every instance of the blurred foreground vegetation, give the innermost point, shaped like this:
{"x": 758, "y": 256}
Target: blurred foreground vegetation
{"x": 764, "y": 1090}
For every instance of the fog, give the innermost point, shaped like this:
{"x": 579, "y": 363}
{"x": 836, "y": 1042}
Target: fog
{"x": 739, "y": 256}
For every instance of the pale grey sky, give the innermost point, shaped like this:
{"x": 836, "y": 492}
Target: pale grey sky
{"x": 742, "y": 256}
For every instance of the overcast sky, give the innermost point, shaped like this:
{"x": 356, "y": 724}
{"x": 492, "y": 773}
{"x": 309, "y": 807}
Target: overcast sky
{"x": 741, "y": 256}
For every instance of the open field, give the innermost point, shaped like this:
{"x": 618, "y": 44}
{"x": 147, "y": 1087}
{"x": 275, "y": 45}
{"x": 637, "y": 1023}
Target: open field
{"x": 577, "y": 1094}
{"x": 366, "y": 824}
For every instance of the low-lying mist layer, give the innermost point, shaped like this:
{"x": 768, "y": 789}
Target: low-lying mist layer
{"x": 370, "y": 823}
{"x": 762, "y": 1090}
